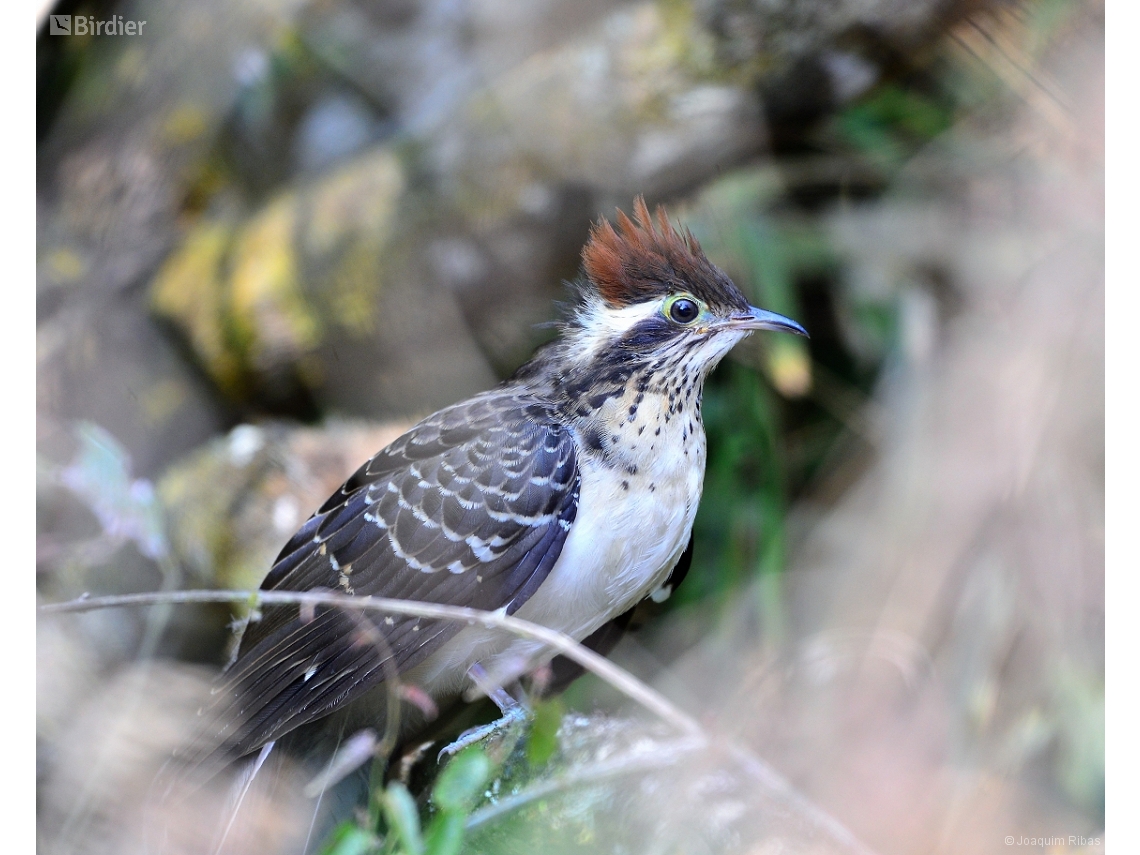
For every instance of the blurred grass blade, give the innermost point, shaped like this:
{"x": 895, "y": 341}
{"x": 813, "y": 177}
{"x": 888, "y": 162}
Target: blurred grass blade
{"x": 403, "y": 818}
{"x": 462, "y": 782}
{"x": 100, "y": 475}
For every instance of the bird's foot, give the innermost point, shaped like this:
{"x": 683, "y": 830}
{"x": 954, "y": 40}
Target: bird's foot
{"x": 495, "y": 730}
{"x": 513, "y": 712}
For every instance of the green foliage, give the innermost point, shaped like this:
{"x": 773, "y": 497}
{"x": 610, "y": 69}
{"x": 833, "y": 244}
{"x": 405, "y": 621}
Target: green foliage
{"x": 893, "y": 122}
{"x": 1079, "y": 701}
{"x": 402, "y": 818}
{"x": 740, "y": 527}
{"x": 542, "y": 741}
{"x": 458, "y": 789}
{"x": 351, "y": 839}
{"x": 445, "y": 834}
{"x": 462, "y": 782}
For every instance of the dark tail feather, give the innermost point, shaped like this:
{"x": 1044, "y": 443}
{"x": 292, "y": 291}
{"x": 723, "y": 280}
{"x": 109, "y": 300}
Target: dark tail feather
{"x": 238, "y": 793}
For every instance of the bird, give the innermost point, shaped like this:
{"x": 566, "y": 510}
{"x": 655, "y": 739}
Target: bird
{"x": 563, "y": 496}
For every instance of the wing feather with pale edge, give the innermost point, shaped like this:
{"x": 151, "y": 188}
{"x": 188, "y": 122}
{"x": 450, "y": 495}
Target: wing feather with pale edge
{"x": 470, "y": 507}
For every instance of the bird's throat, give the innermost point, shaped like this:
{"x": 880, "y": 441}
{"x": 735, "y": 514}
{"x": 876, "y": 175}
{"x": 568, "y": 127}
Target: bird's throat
{"x": 650, "y": 426}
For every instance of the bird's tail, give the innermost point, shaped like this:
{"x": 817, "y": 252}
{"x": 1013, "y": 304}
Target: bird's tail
{"x": 238, "y": 792}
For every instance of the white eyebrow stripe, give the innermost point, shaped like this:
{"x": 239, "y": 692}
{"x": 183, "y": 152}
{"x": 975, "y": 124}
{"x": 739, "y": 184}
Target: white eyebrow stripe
{"x": 601, "y": 324}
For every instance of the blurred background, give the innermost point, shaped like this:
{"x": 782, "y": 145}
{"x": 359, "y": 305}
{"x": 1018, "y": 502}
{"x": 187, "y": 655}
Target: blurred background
{"x": 271, "y": 235}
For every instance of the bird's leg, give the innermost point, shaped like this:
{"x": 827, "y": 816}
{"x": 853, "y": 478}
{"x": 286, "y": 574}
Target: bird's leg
{"x": 513, "y": 712}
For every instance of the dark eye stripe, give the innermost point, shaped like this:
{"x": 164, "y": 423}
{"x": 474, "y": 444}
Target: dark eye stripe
{"x": 648, "y": 333}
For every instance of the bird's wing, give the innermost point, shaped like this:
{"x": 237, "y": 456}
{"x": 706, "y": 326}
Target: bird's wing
{"x": 470, "y": 507}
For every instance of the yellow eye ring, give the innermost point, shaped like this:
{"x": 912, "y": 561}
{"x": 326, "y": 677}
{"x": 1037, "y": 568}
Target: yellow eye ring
{"x": 682, "y": 309}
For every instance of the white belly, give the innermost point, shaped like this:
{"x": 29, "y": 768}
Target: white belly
{"x": 621, "y": 547}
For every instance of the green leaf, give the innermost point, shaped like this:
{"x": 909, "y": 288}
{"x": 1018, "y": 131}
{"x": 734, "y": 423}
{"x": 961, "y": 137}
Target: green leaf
{"x": 402, "y": 817}
{"x": 350, "y": 839}
{"x": 445, "y": 834}
{"x": 543, "y": 739}
{"x": 462, "y": 781}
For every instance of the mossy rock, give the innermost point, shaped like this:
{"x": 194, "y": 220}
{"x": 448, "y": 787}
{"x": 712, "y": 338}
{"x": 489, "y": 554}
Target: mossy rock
{"x": 234, "y": 503}
{"x": 257, "y": 298}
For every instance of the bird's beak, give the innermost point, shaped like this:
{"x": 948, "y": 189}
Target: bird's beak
{"x": 760, "y": 319}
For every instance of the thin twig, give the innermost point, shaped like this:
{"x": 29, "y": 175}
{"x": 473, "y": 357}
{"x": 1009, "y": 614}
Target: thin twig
{"x": 662, "y": 756}
{"x": 694, "y": 739}
{"x": 617, "y": 677}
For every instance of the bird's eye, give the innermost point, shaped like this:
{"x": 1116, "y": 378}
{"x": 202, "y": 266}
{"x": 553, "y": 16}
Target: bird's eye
{"x": 683, "y": 310}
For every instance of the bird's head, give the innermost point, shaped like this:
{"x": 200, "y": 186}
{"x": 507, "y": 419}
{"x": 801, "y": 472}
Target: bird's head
{"x": 652, "y": 297}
